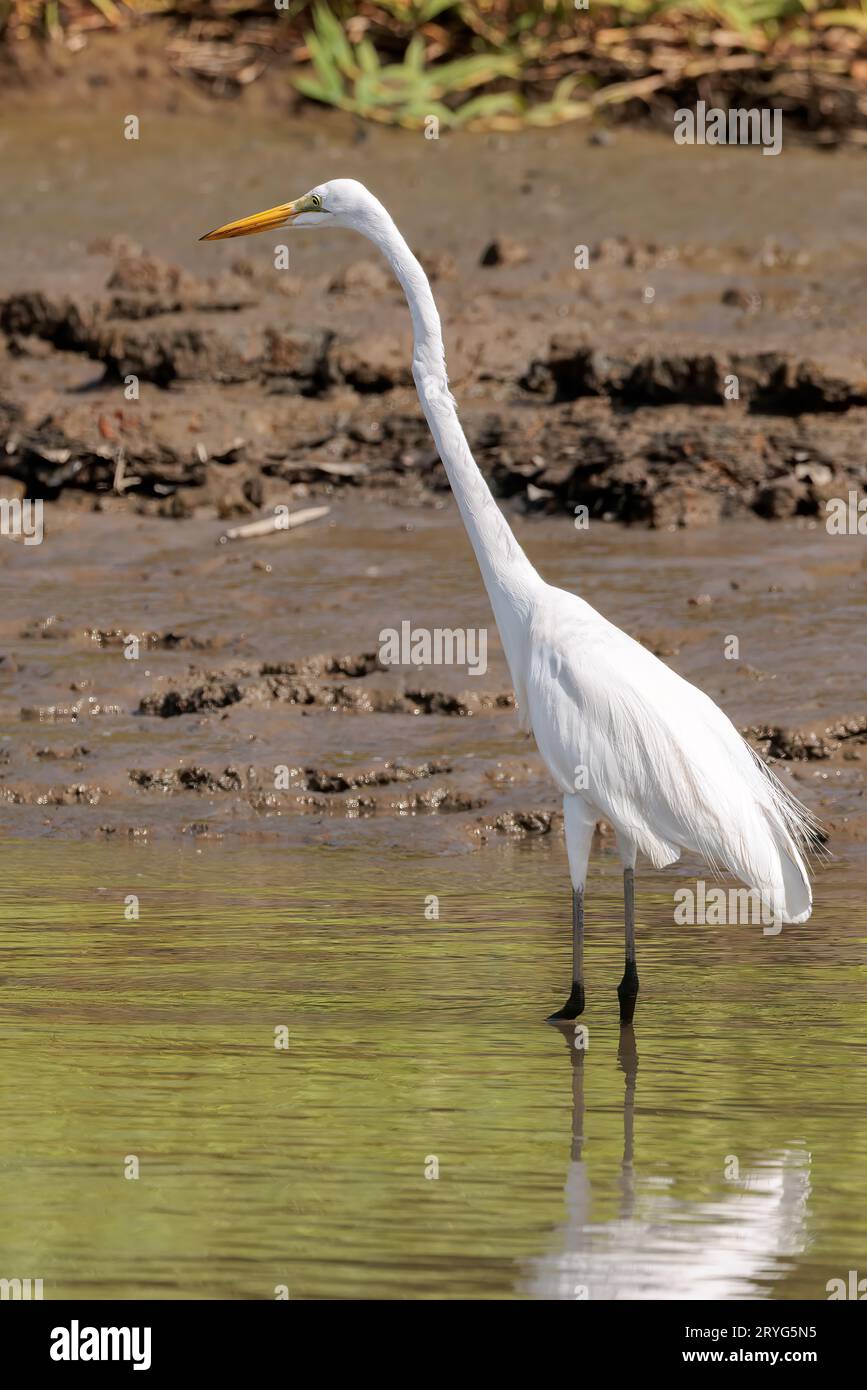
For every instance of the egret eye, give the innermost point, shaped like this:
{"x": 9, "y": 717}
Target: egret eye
{"x": 315, "y": 201}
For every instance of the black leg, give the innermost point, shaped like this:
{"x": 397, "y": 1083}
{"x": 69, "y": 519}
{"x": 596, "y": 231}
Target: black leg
{"x": 575, "y": 1003}
{"x": 627, "y": 990}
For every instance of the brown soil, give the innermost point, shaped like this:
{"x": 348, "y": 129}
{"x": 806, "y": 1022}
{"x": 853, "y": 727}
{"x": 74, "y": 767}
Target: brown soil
{"x": 261, "y": 387}
{"x": 638, "y": 432}
{"x": 252, "y": 743}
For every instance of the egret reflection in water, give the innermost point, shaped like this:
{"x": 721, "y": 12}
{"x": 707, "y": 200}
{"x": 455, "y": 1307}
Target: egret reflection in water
{"x": 660, "y": 1245}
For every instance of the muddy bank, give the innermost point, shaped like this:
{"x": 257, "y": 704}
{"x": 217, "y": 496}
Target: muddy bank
{"x": 664, "y": 336}
{"x": 350, "y": 791}
{"x": 653, "y": 430}
{"x": 257, "y": 703}
{"x": 252, "y": 710}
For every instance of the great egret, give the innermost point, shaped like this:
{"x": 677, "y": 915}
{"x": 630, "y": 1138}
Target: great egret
{"x": 623, "y": 736}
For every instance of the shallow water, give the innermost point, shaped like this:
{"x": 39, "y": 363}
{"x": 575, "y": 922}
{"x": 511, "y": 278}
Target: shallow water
{"x": 561, "y": 1174}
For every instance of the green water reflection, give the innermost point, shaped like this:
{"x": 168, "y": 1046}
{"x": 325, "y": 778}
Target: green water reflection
{"x": 408, "y": 1040}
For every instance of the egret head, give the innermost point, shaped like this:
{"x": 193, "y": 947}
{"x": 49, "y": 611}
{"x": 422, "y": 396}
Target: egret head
{"x": 339, "y": 203}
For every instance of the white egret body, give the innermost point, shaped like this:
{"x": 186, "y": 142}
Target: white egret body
{"x": 623, "y": 736}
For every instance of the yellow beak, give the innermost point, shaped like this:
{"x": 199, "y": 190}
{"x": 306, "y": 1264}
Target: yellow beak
{"x": 259, "y": 222}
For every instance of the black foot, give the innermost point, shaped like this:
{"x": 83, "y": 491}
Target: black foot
{"x": 627, "y": 993}
{"x": 572, "y": 1008}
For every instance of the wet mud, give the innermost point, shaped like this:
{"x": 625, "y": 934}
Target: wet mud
{"x": 226, "y": 722}
{"x": 645, "y": 432}
{"x": 256, "y": 702}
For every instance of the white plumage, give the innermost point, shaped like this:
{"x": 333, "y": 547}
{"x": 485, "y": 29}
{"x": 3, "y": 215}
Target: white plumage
{"x": 622, "y": 735}
{"x": 661, "y": 761}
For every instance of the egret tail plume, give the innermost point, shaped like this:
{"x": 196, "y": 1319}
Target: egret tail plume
{"x": 795, "y": 832}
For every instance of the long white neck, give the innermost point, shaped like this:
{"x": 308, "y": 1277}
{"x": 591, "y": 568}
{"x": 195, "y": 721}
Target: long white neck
{"x": 510, "y": 579}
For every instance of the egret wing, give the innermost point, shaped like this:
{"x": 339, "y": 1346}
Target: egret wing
{"x": 656, "y": 756}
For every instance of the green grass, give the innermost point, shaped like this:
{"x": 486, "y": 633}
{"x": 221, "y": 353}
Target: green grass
{"x": 495, "y": 63}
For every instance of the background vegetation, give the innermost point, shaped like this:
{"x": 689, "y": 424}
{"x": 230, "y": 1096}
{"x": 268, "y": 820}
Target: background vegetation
{"x": 499, "y": 63}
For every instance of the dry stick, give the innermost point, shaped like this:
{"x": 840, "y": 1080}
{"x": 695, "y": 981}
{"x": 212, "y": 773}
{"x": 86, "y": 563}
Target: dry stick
{"x": 121, "y": 481}
{"x": 272, "y": 524}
